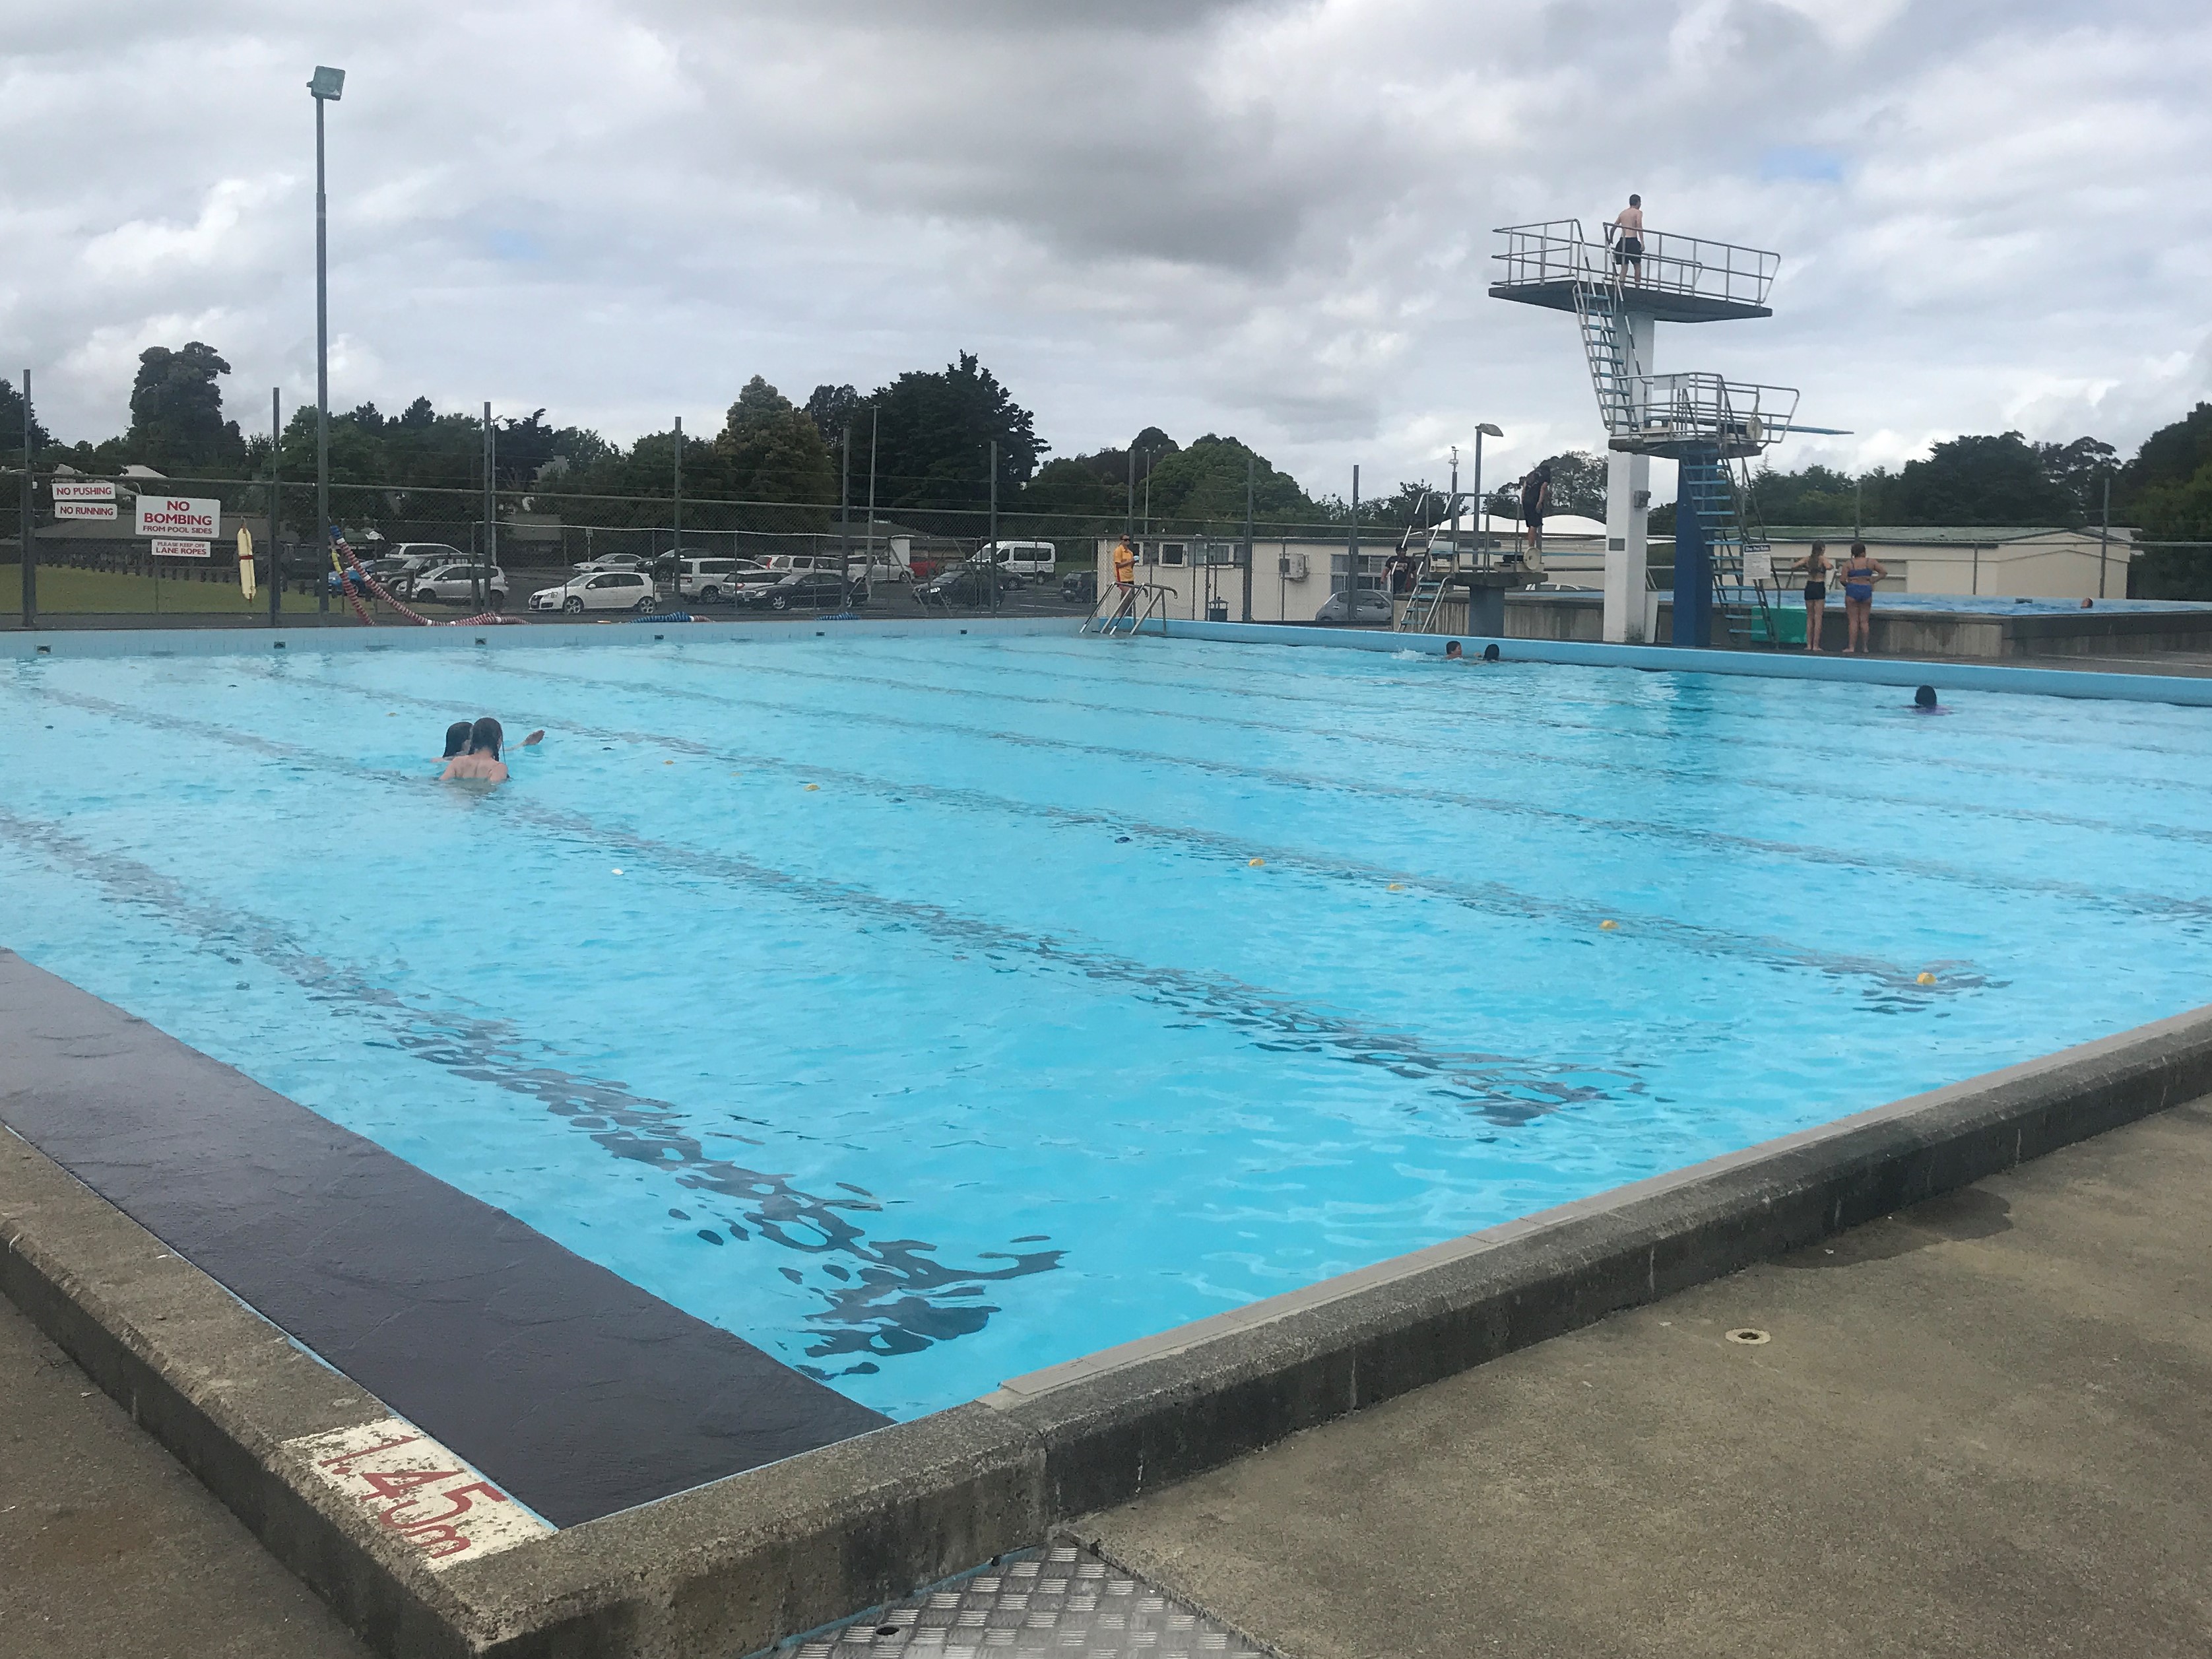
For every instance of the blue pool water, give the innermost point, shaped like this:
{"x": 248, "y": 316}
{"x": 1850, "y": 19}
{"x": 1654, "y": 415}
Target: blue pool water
{"x": 913, "y": 1008}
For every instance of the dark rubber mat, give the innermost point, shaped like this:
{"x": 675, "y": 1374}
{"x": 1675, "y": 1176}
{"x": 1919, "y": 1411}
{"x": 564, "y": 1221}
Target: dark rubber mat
{"x": 576, "y": 1391}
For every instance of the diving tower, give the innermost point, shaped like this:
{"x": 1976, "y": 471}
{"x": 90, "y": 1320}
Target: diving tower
{"x": 1715, "y": 427}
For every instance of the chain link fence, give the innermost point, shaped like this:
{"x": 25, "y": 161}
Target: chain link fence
{"x": 88, "y": 570}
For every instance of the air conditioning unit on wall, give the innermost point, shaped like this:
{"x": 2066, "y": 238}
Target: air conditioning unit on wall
{"x": 1291, "y": 565}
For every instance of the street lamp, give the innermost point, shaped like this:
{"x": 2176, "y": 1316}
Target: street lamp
{"x": 328, "y": 86}
{"x": 1485, "y": 430}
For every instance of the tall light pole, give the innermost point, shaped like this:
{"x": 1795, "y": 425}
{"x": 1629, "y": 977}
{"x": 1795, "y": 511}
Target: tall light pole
{"x": 1481, "y": 432}
{"x": 327, "y": 87}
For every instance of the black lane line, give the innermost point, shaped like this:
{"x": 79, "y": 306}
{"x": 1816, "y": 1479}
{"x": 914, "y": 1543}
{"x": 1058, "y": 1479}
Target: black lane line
{"x": 569, "y": 1386}
{"x": 1843, "y": 755}
{"x": 2107, "y": 898}
{"x": 1504, "y": 1088}
{"x": 1488, "y": 897}
{"x": 1492, "y": 718}
{"x": 875, "y": 1297}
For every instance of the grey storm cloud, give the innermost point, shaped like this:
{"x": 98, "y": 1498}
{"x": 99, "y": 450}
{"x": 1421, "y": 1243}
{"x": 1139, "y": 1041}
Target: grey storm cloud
{"x": 1265, "y": 217}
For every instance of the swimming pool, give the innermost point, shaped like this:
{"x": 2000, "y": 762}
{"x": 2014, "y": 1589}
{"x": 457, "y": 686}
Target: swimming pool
{"x": 930, "y": 1011}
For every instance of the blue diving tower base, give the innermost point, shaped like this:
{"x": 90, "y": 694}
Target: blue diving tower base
{"x": 1699, "y": 482}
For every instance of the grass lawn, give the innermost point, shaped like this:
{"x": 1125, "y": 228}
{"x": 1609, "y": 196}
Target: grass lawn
{"x": 64, "y": 588}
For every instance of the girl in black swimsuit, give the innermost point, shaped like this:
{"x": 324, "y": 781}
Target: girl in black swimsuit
{"x": 1814, "y": 564}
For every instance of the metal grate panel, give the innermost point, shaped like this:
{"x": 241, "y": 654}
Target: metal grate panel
{"x": 1056, "y": 1603}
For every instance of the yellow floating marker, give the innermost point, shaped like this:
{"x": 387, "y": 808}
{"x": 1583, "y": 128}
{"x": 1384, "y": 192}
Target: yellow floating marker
{"x": 668, "y": 762}
{"x": 1610, "y": 925}
{"x": 814, "y": 785}
{"x": 1397, "y": 886}
{"x": 1926, "y": 979}
{"x": 1254, "y": 864}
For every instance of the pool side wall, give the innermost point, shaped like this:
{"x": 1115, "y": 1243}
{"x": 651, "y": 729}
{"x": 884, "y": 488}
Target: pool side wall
{"x": 1763, "y": 664}
{"x": 736, "y": 1566}
{"x": 444, "y": 636}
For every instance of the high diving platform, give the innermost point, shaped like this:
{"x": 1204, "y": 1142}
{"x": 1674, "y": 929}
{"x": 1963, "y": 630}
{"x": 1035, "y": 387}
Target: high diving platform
{"x": 1680, "y": 279}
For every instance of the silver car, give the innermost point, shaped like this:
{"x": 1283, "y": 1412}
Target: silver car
{"x": 457, "y": 583}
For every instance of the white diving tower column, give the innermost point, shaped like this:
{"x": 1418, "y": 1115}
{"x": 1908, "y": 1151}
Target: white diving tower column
{"x": 1697, "y": 418}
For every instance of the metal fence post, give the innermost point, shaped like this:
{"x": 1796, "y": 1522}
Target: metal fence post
{"x": 873, "y": 414}
{"x": 994, "y": 526}
{"x": 1351, "y": 555}
{"x": 275, "y": 487}
{"x": 845, "y": 510}
{"x": 1251, "y": 474}
{"x": 28, "y": 536}
{"x": 676, "y": 513}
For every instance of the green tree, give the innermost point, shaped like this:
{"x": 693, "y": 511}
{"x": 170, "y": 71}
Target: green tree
{"x": 1981, "y": 479}
{"x": 1071, "y": 497}
{"x": 1204, "y": 485}
{"x": 2167, "y": 491}
{"x": 773, "y": 452}
{"x": 176, "y": 410}
{"x": 11, "y": 423}
{"x": 830, "y": 408}
{"x": 934, "y": 440}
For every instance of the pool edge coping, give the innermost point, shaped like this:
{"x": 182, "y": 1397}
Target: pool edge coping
{"x": 739, "y": 1565}
{"x": 1946, "y": 675}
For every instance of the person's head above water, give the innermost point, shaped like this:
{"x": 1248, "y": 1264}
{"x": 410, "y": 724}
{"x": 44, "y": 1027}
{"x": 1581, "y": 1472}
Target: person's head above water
{"x": 456, "y": 738}
{"x": 485, "y": 738}
{"x": 1924, "y": 697}
{"x": 1452, "y": 650}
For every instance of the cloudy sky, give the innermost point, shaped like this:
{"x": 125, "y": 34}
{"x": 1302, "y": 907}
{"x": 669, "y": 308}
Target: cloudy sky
{"x": 1267, "y": 218}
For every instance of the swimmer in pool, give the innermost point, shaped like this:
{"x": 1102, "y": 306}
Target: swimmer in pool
{"x": 1452, "y": 653}
{"x": 481, "y": 764}
{"x": 457, "y": 739}
{"x": 1924, "y": 702}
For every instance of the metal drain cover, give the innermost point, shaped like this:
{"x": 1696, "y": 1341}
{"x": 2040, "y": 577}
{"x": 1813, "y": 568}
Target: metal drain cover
{"x": 1056, "y": 1603}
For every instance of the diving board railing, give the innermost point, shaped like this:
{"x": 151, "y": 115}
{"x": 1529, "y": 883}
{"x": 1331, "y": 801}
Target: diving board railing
{"x": 1686, "y": 267}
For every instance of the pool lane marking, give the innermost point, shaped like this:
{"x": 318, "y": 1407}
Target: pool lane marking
{"x": 1491, "y": 714}
{"x": 1508, "y": 719}
{"x": 427, "y": 1499}
{"x": 856, "y": 1313}
{"x": 1499, "y": 1086}
{"x": 1491, "y": 898}
{"x": 2116, "y": 898}
{"x": 1738, "y": 705}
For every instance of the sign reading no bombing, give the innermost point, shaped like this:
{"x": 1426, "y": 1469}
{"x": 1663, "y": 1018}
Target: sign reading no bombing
{"x": 180, "y": 516}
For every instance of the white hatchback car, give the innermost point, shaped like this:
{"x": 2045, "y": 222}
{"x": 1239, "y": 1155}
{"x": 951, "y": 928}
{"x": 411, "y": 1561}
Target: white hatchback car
{"x": 598, "y": 590}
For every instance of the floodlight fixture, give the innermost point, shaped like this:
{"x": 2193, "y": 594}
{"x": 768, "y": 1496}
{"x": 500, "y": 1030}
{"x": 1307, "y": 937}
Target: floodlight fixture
{"x": 328, "y": 83}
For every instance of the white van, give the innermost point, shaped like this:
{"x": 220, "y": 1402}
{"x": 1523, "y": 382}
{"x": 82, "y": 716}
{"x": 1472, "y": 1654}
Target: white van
{"x": 1035, "y": 560}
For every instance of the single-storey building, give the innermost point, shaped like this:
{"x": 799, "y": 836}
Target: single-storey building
{"x": 2004, "y": 561}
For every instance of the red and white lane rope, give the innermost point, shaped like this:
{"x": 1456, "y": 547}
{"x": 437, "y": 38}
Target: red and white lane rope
{"x": 347, "y": 578}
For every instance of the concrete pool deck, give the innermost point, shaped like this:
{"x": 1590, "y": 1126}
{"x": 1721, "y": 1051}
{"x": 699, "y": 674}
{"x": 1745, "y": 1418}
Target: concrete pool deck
{"x": 1981, "y": 1426}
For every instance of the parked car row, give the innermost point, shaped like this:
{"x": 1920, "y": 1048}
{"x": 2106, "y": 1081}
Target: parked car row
{"x": 419, "y": 571}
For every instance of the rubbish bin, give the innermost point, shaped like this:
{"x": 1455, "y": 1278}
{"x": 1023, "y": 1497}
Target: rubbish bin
{"x": 1217, "y": 611}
